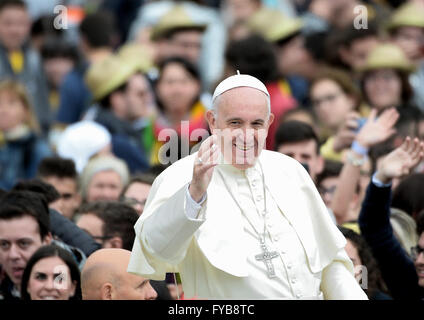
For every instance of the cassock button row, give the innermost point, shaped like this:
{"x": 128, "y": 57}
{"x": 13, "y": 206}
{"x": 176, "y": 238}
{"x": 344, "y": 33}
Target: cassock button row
{"x": 298, "y": 296}
{"x": 258, "y": 198}
{"x": 276, "y": 238}
{"x": 293, "y": 280}
{"x": 254, "y": 183}
{"x": 289, "y": 265}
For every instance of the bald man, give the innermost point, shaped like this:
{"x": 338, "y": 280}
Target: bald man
{"x": 105, "y": 277}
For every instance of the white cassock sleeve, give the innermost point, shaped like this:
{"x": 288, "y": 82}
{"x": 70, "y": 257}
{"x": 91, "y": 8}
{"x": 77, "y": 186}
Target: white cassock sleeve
{"x": 169, "y": 231}
{"x": 337, "y": 281}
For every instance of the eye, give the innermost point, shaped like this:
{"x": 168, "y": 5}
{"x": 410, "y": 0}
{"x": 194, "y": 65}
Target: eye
{"x": 4, "y": 245}
{"x": 24, "y": 244}
{"x": 40, "y": 276}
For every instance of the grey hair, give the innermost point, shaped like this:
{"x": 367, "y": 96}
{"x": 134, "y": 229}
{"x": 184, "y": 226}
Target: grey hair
{"x": 216, "y": 101}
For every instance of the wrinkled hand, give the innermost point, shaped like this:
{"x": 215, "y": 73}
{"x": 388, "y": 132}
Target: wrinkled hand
{"x": 346, "y": 134}
{"x": 204, "y": 163}
{"x": 401, "y": 161}
{"x": 376, "y": 131}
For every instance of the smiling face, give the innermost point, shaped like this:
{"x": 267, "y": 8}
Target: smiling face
{"x": 50, "y": 279}
{"x": 19, "y": 239}
{"x": 241, "y": 122}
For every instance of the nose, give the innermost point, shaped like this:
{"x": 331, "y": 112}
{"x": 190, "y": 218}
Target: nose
{"x": 49, "y": 284}
{"x": 14, "y": 252}
{"x": 151, "y": 294}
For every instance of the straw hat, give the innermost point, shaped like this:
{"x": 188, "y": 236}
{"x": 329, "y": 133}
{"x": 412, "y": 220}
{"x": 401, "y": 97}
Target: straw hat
{"x": 107, "y": 75}
{"x": 175, "y": 19}
{"x": 408, "y": 15}
{"x": 136, "y": 55}
{"x": 274, "y": 25}
{"x": 387, "y": 56}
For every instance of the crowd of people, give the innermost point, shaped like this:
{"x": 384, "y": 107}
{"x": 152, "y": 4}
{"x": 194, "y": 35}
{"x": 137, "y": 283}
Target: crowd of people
{"x": 94, "y": 108}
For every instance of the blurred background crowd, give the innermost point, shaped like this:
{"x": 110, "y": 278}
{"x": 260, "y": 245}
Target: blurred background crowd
{"x": 92, "y": 91}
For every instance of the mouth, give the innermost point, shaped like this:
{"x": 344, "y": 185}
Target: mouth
{"x": 420, "y": 273}
{"x": 243, "y": 147}
{"x": 49, "y": 297}
{"x": 17, "y": 272}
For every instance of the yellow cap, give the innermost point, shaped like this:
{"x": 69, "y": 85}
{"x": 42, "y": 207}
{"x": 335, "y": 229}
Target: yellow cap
{"x": 387, "y": 56}
{"x": 176, "y": 18}
{"x": 410, "y": 14}
{"x": 136, "y": 55}
{"x": 274, "y": 25}
{"x": 107, "y": 75}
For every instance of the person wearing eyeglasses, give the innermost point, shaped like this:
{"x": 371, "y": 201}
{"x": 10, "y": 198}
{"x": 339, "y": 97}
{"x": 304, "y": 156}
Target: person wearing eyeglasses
{"x": 403, "y": 273}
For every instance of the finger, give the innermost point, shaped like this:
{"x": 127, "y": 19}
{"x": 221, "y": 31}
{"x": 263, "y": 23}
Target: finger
{"x": 372, "y": 115}
{"x": 210, "y": 156}
{"x": 392, "y": 118}
{"x": 207, "y": 144}
{"x": 418, "y": 150}
{"x": 351, "y": 124}
{"x": 405, "y": 144}
{"x": 353, "y": 115}
{"x": 413, "y": 145}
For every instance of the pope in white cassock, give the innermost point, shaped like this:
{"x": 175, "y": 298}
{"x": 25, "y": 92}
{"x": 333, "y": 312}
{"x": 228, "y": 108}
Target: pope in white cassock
{"x": 240, "y": 223}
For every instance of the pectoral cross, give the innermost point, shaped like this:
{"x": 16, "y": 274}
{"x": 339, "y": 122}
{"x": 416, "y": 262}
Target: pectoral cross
{"x": 266, "y": 257}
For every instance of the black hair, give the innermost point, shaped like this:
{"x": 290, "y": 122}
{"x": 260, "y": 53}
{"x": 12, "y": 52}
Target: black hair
{"x": 44, "y": 25}
{"x": 420, "y": 223}
{"x": 408, "y": 194}
{"x": 253, "y": 55}
{"x": 118, "y": 219}
{"x": 12, "y": 3}
{"x": 17, "y": 204}
{"x": 58, "y": 167}
{"x": 345, "y": 37}
{"x": 47, "y": 252}
{"x": 375, "y": 280}
{"x": 57, "y": 47}
{"x": 46, "y": 190}
{"x": 98, "y": 29}
{"x": 295, "y": 131}
{"x": 406, "y": 88}
{"x": 332, "y": 168}
{"x": 282, "y": 42}
{"x": 315, "y": 45}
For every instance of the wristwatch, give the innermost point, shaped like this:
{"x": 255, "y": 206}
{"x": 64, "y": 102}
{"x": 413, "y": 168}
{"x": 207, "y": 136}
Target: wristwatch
{"x": 357, "y": 162}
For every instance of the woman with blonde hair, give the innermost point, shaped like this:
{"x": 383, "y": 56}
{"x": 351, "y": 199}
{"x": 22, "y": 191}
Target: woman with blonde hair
{"x": 21, "y": 147}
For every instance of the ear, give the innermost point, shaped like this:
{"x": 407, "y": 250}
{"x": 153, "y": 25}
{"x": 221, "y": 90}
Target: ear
{"x": 116, "y": 101}
{"x": 271, "y": 119}
{"x": 106, "y": 291}
{"x": 344, "y": 55}
{"x": 321, "y": 163}
{"x": 210, "y": 118}
{"x": 47, "y": 239}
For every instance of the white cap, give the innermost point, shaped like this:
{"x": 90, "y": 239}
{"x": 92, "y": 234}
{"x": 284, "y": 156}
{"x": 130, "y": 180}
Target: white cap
{"x": 81, "y": 140}
{"x": 239, "y": 80}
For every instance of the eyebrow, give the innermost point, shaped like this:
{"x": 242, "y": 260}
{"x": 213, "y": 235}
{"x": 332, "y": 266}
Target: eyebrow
{"x": 240, "y": 119}
{"x": 143, "y": 283}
